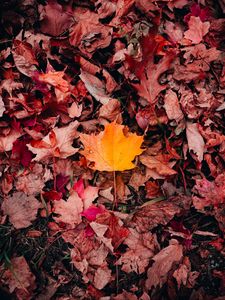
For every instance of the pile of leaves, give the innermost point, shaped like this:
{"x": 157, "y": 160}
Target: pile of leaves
{"x": 112, "y": 149}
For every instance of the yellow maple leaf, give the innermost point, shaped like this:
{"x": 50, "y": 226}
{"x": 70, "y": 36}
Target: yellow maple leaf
{"x": 111, "y": 150}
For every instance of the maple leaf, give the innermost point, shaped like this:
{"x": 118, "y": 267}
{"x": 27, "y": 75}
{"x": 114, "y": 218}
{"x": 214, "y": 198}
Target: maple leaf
{"x": 183, "y": 274}
{"x": 149, "y": 216}
{"x": 149, "y": 86}
{"x": 56, "y": 19}
{"x": 19, "y": 278}
{"x": 163, "y": 261}
{"x": 111, "y": 111}
{"x": 21, "y": 209}
{"x": 2, "y": 107}
{"x": 111, "y": 150}
{"x": 31, "y": 183}
{"x": 141, "y": 248}
{"x": 159, "y": 163}
{"x": 112, "y": 228}
{"x": 69, "y": 211}
{"x": 87, "y": 194}
{"x": 209, "y": 193}
{"x": 197, "y": 30}
{"x": 56, "y": 144}
{"x": 88, "y": 34}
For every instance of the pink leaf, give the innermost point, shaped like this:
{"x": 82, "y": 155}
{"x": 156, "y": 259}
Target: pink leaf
{"x": 69, "y": 211}
{"x": 21, "y": 209}
{"x": 197, "y": 30}
{"x": 163, "y": 261}
{"x": 91, "y": 213}
{"x": 195, "y": 140}
{"x": 19, "y": 278}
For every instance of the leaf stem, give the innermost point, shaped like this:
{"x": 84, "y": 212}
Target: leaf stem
{"x": 114, "y": 191}
{"x": 54, "y": 172}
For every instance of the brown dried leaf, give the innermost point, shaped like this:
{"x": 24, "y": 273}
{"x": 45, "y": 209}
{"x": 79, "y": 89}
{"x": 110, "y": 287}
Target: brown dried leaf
{"x": 69, "y": 211}
{"x": 24, "y": 58}
{"x": 195, "y": 140}
{"x": 88, "y": 34}
{"x": 197, "y": 30}
{"x": 111, "y": 111}
{"x": 6, "y": 142}
{"x": 20, "y": 279}
{"x": 163, "y": 262}
{"x": 172, "y": 106}
{"x": 209, "y": 193}
{"x": 141, "y": 248}
{"x": 159, "y": 163}
{"x": 102, "y": 277}
{"x": 58, "y": 143}
{"x": 162, "y": 212}
{"x": 95, "y": 87}
{"x": 55, "y": 18}
{"x": 21, "y": 209}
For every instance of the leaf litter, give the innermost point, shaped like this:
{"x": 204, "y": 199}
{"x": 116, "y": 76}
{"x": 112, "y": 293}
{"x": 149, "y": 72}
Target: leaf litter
{"x": 112, "y": 149}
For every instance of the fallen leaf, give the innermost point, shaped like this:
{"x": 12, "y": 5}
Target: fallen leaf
{"x": 197, "y": 30}
{"x": 172, "y": 106}
{"x": 24, "y": 58}
{"x": 183, "y": 274}
{"x": 10, "y": 85}
{"x": 116, "y": 231}
{"x": 88, "y": 34}
{"x": 197, "y": 11}
{"x": 32, "y": 183}
{"x": 209, "y": 193}
{"x": 20, "y": 279}
{"x": 56, "y": 19}
{"x": 111, "y": 150}
{"x": 159, "y": 163}
{"x": 125, "y": 296}
{"x": 152, "y": 190}
{"x": 148, "y": 72}
{"x": 95, "y": 87}
{"x": 105, "y": 9}
{"x": 141, "y": 248}
{"x": 153, "y": 214}
{"x": 55, "y": 79}
{"x": 111, "y": 111}
{"x": 195, "y": 140}
{"x": 6, "y": 142}
{"x": 88, "y": 194}
{"x": 21, "y": 153}
{"x": 163, "y": 262}
{"x": 58, "y": 143}
{"x": 69, "y": 211}
{"x": 102, "y": 277}
{"x": 2, "y": 107}
{"x": 21, "y": 209}
{"x": 75, "y": 110}
{"x": 91, "y": 212}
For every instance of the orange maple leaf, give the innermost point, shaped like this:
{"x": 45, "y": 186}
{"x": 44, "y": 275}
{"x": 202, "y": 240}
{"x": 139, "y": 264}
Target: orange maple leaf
{"x": 111, "y": 150}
